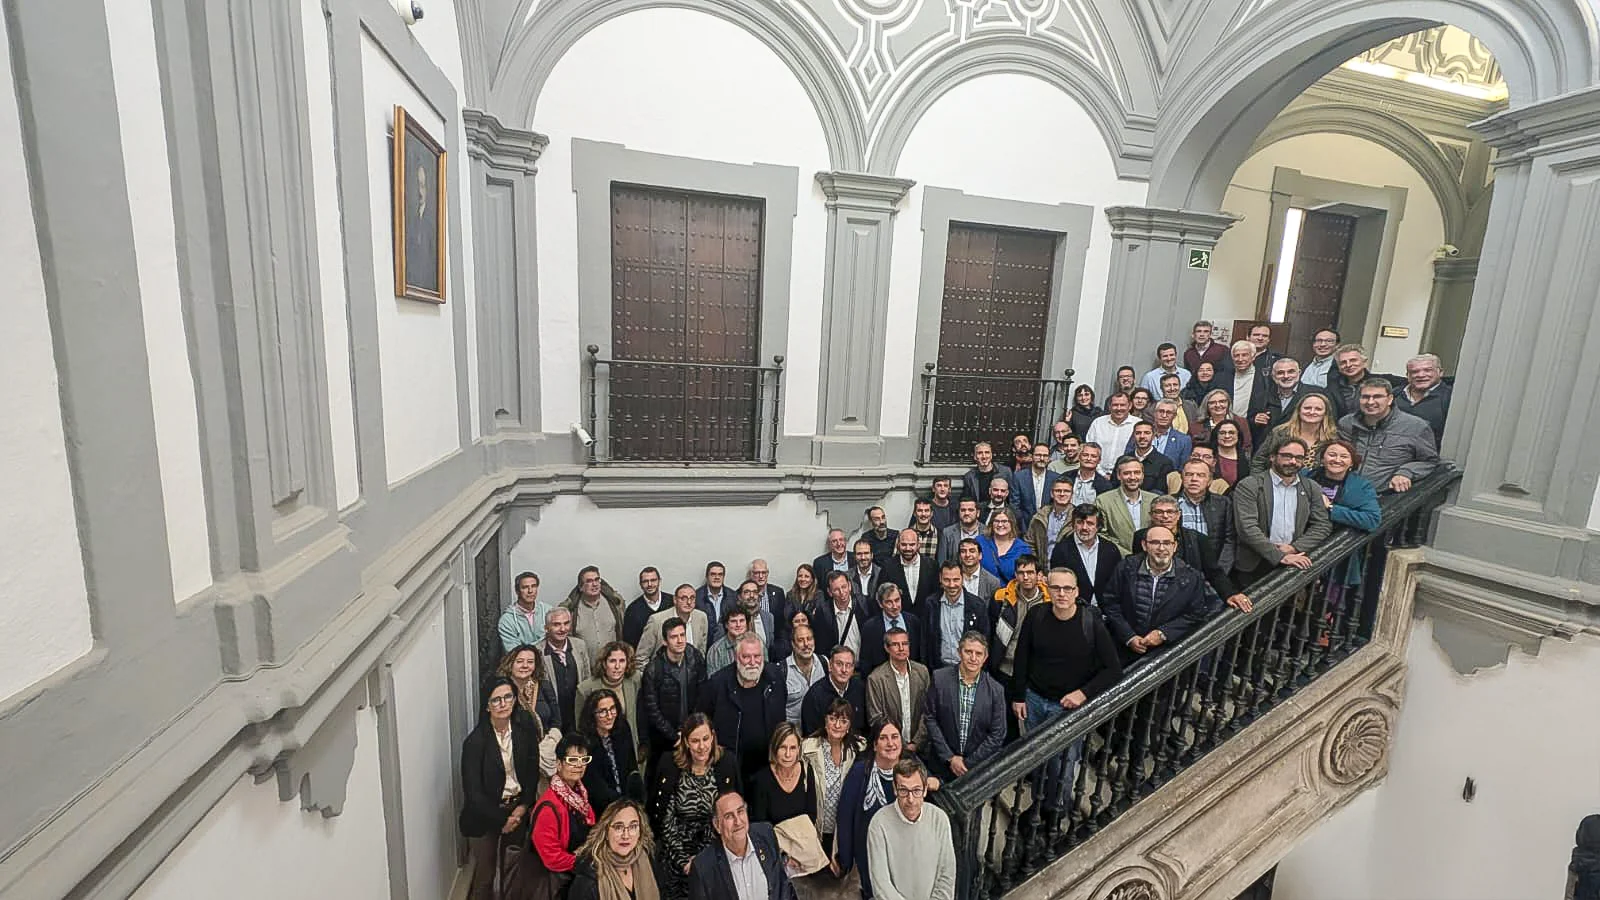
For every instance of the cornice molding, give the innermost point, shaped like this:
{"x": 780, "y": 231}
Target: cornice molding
{"x": 1413, "y": 102}
{"x": 1455, "y": 268}
{"x": 495, "y": 143}
{"x": 1565, "y": 122}
{"x": 862, "y": 191}
{"x": 1182, "y": 226}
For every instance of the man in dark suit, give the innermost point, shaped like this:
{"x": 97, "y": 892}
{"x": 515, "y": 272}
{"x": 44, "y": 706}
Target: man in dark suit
{"x": 750, "y": 846}
{"x": 892, "y": 614}
{"x": 841, "y": 683}
{"x": 865, "y": 575}
{"x": 1154, "y": 600}
{"x": 1156, "y": 464}
{"x": 1271, "y": 535}
{"x": 713, "y": 597}
{"x": 1030, "y": 487}
{"x": 1261, "y": 339}
{"x": 956, "y": 612}
{"x": 836, "y": 559}
{"x": 911, "y": 570}
{"x": 1091, "y": 559}
{"x": 1273, "y": 406}
{"x": 968, "y": 524}
{"x": 647, "y": 604}
{"x": 949, "y": 750}
{"x": 840, "y": 618}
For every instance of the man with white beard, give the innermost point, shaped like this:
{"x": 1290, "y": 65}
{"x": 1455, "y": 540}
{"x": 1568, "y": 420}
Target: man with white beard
{"x": 746, "y": 702}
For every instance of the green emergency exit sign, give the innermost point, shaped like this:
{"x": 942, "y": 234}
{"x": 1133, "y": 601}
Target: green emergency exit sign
{"x": 1199, "y": 259}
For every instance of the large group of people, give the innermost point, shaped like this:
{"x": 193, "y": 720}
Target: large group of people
{"x": 724, "y": 739}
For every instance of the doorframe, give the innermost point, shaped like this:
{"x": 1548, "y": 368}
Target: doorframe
{"x": 1291, "y": 188}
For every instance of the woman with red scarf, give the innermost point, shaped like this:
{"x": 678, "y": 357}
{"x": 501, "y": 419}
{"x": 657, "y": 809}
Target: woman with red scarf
{"x": 562, "y": 818}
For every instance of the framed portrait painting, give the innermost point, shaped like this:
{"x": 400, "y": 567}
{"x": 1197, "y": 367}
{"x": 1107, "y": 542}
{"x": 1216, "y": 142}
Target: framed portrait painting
{"x": 419, "y": 211}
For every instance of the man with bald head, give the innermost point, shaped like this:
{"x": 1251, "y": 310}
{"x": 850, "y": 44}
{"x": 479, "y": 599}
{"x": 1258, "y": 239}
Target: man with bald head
{"x": 1155, "y": 599}
{"x": 911, "y": 570}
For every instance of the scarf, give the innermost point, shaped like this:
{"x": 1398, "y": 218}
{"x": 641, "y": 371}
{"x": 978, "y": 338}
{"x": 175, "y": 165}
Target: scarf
{"x": 875, "y": 798}
{"x": 607, "y": 863}
{"x": 576, "y": 798}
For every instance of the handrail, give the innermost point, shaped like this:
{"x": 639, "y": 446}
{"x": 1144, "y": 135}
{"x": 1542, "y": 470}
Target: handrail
{"x": 966, "y": 798}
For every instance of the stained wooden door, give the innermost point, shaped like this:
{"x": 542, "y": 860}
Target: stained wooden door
{"x": 993, "y": 320}
{"x": 686, "y": 295}
{"x": 1316, "y": 288}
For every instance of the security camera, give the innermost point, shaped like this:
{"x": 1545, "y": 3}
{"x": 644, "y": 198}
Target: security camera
{"x": 583, "y": 435}
{"x": 1450, "y": 250}
{"x": 409, "y": 10}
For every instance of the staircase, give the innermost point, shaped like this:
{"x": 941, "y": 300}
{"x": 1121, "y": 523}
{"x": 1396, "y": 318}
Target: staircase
{"x": 1204, "y": 767}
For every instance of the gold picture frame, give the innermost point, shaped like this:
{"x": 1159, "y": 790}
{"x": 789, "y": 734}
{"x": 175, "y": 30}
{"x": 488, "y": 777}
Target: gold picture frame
{"x": 420, "y": 240}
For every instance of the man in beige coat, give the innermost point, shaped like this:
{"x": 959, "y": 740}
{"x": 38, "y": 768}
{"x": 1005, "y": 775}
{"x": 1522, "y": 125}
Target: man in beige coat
{"x": 896, "y": 689}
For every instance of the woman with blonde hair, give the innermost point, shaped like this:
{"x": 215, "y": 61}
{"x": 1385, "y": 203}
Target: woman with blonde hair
{"x": 803, "y": 595}
{"x": 1309, "y": 423}
{"x": 686, "y": 789}
{"x": 617, "y": 860}
{"x": 1002, "y": 545}
{"x": 1216, "y": 408}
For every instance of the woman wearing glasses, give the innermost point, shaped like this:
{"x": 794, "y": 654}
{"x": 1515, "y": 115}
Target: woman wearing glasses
{"x": 615, "y": 862}
{"x": 686, "y": 790}
{"x": 868, "y": 788}
{"x": 614, "y": 771}
{"x": 562, "y": 818}
{"x": 499, "y": 771}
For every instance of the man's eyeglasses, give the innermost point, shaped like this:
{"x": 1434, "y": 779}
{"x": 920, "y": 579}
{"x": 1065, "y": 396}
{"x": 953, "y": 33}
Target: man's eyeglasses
{"x": 910, "y": 793}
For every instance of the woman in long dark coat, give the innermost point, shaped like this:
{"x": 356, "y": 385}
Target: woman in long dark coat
{"x": 496, "y": 796}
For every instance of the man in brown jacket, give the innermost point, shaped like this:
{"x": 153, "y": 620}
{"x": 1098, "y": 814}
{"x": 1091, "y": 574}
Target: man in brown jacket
{"x": 896, "y": 689}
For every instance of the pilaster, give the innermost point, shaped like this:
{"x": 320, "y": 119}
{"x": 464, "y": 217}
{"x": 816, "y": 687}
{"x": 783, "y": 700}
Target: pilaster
{"x": 1448, "y": 306}
{"x": 503, "y": 165}
{"x": 1526, "y": 412}
{"x": 861, "y": 211}
{"x": 1154, "y": 294}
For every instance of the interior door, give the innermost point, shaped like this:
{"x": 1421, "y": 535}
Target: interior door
{"x": 1321, "y": 262}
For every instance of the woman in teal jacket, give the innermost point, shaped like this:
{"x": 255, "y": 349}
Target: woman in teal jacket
{"x": 1353, "y": 503}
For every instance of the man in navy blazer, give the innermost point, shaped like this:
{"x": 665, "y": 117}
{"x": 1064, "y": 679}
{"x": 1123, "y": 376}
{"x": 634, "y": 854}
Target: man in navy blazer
{"x": 1023, "y": 482}
{"x": 911, "y": 564}
{"x": 840, "y": 616}
{"x": 950, "y": 614}
{"x": 739, "y": 840}
{"x": 714, "y": 597}
{"x": 1085, "y": 544}
{"x": 892, "y": 613}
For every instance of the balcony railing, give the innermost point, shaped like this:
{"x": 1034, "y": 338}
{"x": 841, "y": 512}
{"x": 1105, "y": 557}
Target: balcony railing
{"x": 644, "y": 411}
{"x": 958, "y": 410}
{"x": 1167, "y": 714}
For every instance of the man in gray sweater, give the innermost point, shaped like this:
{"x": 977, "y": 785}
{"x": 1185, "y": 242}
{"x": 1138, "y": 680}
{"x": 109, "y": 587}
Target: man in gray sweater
{"x": 1397, "y": 448}
{"x": 910, "y": 854}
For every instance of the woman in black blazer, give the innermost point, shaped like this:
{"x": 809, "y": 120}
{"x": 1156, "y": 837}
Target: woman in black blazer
{"x": 495, "y": 797}
{"x": 614, "y": 771}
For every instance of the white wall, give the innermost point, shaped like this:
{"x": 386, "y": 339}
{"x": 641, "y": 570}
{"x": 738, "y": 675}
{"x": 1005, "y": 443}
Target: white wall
{"x": 1236, "y": 265}
{"x": 572, "y": 533}
{"x": 44, "y": 610}
{"x": 330, "y": 257}
{"x": 1012, "y": 137}
{"x": 416, "y": 340}
{"x": 643, "y": 80}
{"x": 252, "y": 845}
{"x": 177, "y": 424}
{"x": 422, "y": 716}
{"x": 1526, "y": 732}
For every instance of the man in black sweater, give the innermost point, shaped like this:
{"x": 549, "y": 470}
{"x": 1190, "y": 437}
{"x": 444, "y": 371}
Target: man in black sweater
{"x": 1065, "y": 658}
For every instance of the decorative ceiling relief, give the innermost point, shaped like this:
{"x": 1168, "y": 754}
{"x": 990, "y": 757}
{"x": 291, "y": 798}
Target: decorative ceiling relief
{"x": 1444, "y": 58}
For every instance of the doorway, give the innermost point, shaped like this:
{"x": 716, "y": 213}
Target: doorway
{"x": 1313, "y": 262}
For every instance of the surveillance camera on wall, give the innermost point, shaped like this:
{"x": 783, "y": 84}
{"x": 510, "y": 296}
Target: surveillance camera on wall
{"x": 1450, "y": 250}
{"x": 409, "y": 10}
{"x": 583, "y": 435}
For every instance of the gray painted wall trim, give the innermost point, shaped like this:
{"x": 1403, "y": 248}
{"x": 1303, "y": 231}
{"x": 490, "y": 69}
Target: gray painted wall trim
{"x": 596, "y": 166}
{"x": 855, "y": 310}
{"x": 505, "y": 243}
{"x": 1070, "y": 222}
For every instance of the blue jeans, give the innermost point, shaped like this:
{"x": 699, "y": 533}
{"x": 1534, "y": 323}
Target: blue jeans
{"x": 1062, "y": 769}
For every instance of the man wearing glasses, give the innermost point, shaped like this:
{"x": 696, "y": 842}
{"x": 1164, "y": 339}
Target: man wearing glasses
{"x": 1279, "y": 516}
{"x": 910, "y": 855}
{"x": 744, "y": 863}
{"x": 1155, "y": 599}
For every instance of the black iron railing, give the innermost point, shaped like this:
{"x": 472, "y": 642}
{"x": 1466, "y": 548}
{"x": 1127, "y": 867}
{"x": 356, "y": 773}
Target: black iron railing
{"x": 1020, "y": 811}
{"x": 958, "y": 410}
{"x": 683, "y": 412}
